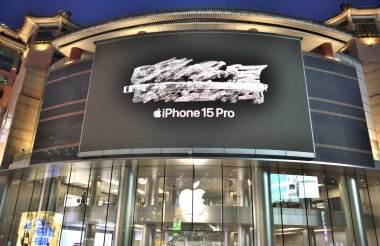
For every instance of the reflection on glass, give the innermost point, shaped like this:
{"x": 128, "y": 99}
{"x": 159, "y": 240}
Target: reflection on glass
{"x": 237, "y": 209}
{"x": 374, "y": 198}
{"x": 338, "y": 222}
{"x": 113, "y": 188}
{"x": 96, "y": 204}
{"x": 77, "y": 184}
{"x": 292, "y": 188}
{"x": 365, "y": 185}
{"x": 39, "y": 228}
{"x": 195, "y": 204}
{"x": 206, "y": 198}
{"x": 195, "y": 238}
{"x": 293, "y": 203}
{"x": 149, "y": 204}
{"x": 178, "y": 179}
{"x": 294, "y": 195}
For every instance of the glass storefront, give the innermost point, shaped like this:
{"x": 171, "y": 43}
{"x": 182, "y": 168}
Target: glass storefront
{"x": 188, "y": 202}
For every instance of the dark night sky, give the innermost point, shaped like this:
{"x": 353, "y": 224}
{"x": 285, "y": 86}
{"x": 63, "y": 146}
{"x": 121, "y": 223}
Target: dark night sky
{"x": 86, "y": 12}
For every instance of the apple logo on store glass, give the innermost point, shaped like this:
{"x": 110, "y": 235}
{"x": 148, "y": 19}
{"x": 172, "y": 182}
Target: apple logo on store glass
{"x": 157, "y": 113}
{"x": 190, "y": 206}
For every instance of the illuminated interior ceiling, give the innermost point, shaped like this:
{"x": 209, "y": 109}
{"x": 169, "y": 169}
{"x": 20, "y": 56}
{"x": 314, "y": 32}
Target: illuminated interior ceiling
{"x": 313, "y": 34}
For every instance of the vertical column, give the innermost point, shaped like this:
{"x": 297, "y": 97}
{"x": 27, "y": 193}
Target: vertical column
{"x": 75, "y": 54}
{"x": 349, "y": 193}
{"x": 308, "y": 233}
{"x": 5, "y": 186}
{"x": 125, "y": 205}
{"x": 262, "y": 209}
{"x": 326, "y": 50}
{"x": 228, "y": 235}
{"x": 94, "y": 201}
{"x": 227, "y": 192}
{"x": 345, "y": 202}
{"x": 243, "y": 200}
{"x": 151, "y": 195}
{"x": 357, "y": 211}
{"x": 228, "y": 238}
{"x": 45, "y": 191}
{"x": 53, "y": 196}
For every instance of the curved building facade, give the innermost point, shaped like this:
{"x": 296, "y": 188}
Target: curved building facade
{"x": 202, "y": 127}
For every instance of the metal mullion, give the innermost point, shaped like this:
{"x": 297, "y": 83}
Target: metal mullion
{"x": 34, "y": 186}
{"x": 306, "y": 207}
{"x": 134, "y": 210}
{"x": 192, "y": 198}
{"x": 330, "y": 208}
{"x": 349, "y": 203}
{"x": 85, "y": 205}
{"x": 14, "y": 211}
{"x": 163, "y": 203}
{"x": 281, "y": 215}
{"x": 252, "y": 202}
{"x": 370, "y": 206}
{"x": 222, "y": 167}
{"x": 65, "y": 203}
{"x": 108, "y": 204}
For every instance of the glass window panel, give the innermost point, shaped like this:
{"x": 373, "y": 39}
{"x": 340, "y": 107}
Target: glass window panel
{"x": 3, "y": 190}
{"x": 335, "y": 192}
{"x": 374, "y": 196}
{"x": 276, "y": 196}
{"x": 96, "y": 209}
{"x": 112, "y": 205}
{"x": 366, "y": 30}
{"x": 44, "y": 36}
{"x": 364, "y": 185}
{"x": 237, "y": 203}
{"x": 178, "y": 179}
{"x": 318, "y": 212}
{"x": 25, "y": 222}
{"x": 3, "y": 79}
{"x": 292, "y": 206}
{"x": 11, "y": 196}
{"x": 77, "y": 193}
{"x": 7, "y": 56}
{"x": 207, "y": 198}
{"x": 149, "y": 205}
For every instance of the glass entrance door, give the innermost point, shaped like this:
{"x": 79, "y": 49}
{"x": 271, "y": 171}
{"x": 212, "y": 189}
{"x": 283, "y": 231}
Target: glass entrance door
{"x": 192, "y": 203}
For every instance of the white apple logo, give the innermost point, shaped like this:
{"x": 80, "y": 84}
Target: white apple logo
{"x": 157, "y": 113}
{"x": 186, "y": 203}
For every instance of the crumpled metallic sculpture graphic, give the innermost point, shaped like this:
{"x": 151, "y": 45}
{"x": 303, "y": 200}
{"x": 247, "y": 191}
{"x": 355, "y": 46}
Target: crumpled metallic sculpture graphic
{"x": 177, "y": 80}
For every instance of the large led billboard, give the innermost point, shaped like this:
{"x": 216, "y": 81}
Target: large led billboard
{"x": 211, "y": 92}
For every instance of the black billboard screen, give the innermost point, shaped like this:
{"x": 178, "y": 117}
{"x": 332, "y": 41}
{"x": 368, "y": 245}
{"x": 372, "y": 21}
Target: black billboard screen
{"x": 207, "y": 92}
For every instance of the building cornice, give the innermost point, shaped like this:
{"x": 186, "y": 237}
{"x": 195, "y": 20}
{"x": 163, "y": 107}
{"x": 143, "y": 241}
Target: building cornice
{"x": 103, "y": 31}
{"x": 352, "y": 11}
{"x": 11, "y": 39}
{"x": 30, "y": 23}
{"x": 9, "y": 32}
